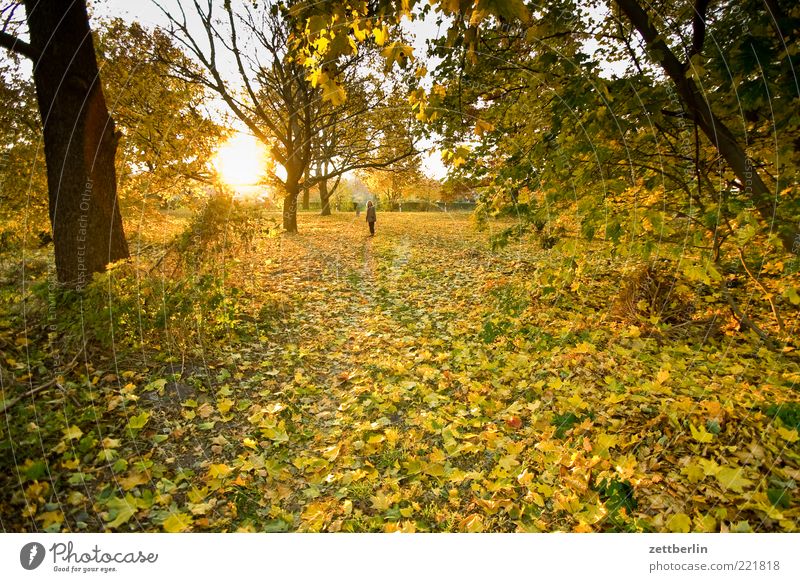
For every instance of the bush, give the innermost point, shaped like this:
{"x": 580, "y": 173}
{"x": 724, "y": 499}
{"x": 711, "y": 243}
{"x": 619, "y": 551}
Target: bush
{"x": 653, "y": 294}
{"x": 222, "y": 223}
{"x": 130, "y": 306}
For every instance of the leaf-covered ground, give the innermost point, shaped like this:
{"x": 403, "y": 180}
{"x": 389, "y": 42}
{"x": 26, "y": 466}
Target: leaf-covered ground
{"x": 415, "y": 381}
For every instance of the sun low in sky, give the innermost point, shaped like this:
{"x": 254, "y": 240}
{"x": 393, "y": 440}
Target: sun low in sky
{"x": 241, "y": 161}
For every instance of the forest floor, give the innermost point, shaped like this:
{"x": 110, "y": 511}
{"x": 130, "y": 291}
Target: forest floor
{"x": 414, "y": 381}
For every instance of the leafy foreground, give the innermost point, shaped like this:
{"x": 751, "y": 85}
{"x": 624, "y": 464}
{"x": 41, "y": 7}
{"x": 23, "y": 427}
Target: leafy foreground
{"x": 417, "y": 381}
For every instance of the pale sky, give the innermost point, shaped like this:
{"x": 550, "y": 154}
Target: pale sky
{"x": 148, "y": 14}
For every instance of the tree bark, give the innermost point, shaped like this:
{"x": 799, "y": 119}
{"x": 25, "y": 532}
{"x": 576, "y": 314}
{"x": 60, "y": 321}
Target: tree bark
{"x": 712, "y": 126}
{"x": 324, "y": 198}
{"x": 80, "y": 142}
{"x": 306, "y": 199}
{"x": 290, "y": 211}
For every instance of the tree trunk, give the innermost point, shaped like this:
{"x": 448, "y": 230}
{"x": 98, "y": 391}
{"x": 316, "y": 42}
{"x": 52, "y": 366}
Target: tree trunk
{"x": 290, "y": 210}
{"x": 80, "y": 142}
{"x": 306, "y": 199}
{"x": 712, "y": 126}
{"x": 324, "y": 198}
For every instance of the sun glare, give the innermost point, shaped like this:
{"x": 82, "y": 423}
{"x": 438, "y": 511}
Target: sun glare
{"x": 241, "y": 161}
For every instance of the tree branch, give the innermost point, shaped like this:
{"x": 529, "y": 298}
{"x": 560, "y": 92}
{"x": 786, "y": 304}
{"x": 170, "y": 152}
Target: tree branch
{"x": 698, "y": 27}
{"x": 15, "y": 45}
{"x": 717, "y": 132}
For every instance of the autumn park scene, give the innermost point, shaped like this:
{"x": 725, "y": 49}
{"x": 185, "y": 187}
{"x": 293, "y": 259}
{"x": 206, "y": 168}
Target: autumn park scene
{"x": 399, "y": 266}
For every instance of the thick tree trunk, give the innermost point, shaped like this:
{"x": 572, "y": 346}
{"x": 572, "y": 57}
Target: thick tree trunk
{"x": 306, "y": 199}
{"x": 79, "y": 142}
{"x": 290, "y": 211}
{"x": 324, "y": 198}
{"x": 712, "y": 126}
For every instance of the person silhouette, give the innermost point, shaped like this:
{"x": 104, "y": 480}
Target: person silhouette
{"x": 371, "y": 218}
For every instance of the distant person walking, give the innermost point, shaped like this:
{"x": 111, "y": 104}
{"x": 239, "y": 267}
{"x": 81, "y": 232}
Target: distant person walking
{"x": 371, "y": 218}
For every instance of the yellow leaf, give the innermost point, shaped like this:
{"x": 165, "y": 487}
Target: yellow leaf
{"x": 314, "y": 515}
{"x": 380, "y": 501}
{"x": 177, "y": 522}
{"x": 380, "y": 34}
{"x": 358, "y": 32}
{"x": 249, "y": 443}
{"x": 72, "y": 433}
{"x": 202, "y": 508}
{"x": 197, "y": 495}
{"x": 731, "y": 478}
{"x": 274, "y": 408}
{"x": 437, "y": 456}
{"x": 138, "y": 421}
{"x": 316, "y": 24}
{"x": 679, "y": 523}
{"x": 434, "y": 469}
{"x": 397, "y": 52}
{"x": 707, "y": 524}
{"x": 49, "y": 518}
{"x": 508, "y": 462}
{"x": 219, "y": 471}
{"x": 71, "y": 464}
{"x": 109, "y": 443}
{"x": 482, "y": 127}
{"x": 225, "y": 405}
{"x": 710, "y": 466}
{"x": 694, "y": 473}
{"x": 321, "y": 45}
{"x": 133, "y": 479}
{"x": 472, "y": 523}
{"x": 413, "y": 467}
{"x": 332, "y": 452}
{"x": 788, "y": 435}
{"x": 333, "y": 92}
{"x": 277, "y": 434}
{"x": 701, "y": 435}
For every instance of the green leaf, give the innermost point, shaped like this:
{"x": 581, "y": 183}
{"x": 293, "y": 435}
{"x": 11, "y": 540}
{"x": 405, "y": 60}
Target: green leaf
{"x": 157, "y": 385}
{"x": 121, "y": 510}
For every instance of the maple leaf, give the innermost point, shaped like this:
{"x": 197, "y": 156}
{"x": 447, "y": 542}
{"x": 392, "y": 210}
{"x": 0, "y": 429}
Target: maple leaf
{"x": 701, "y": 435}
{"x": 679, "y": 523}
{"x": 219, "y": 471}
{"x": 138, "y": 421}
{"x": 472, "y": 523}
{"x": 177, "y": 522}
{"x": 732, "y": 478}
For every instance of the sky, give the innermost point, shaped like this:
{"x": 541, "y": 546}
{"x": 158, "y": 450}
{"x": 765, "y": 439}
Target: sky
{"x": 147, "y": 13}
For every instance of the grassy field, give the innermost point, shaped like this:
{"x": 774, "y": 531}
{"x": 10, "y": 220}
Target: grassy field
{"x": 414, "y": 381}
